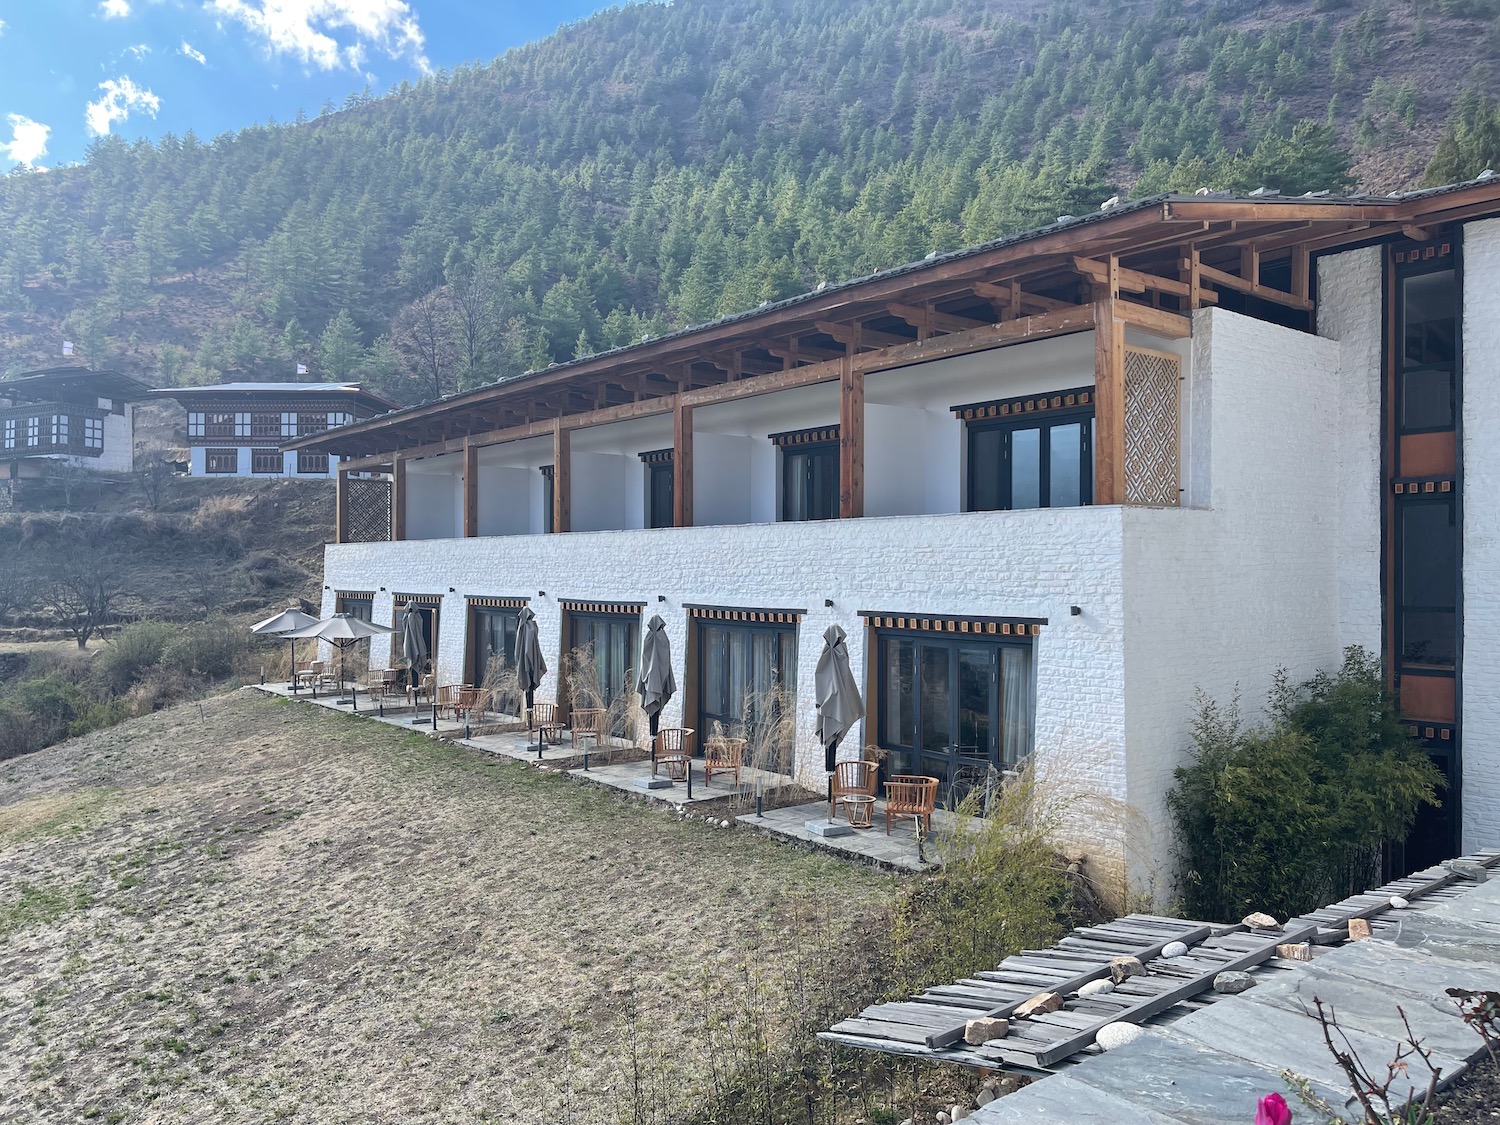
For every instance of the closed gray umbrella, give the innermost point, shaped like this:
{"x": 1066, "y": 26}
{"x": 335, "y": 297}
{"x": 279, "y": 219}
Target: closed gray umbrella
{"x": 287, "y": 621}
{"x": 837, "y": 694}
{"x": 530, "y": 665}
{"x": 413, "y": 644}
{"x": 343, "y": 631}
{"x": 656, "y": 684}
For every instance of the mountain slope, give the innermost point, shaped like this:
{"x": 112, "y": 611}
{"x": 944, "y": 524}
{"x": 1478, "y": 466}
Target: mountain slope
{"x": 659, "y": 165}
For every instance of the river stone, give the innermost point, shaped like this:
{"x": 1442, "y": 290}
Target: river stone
{"x": 1233, "y": 982}
{"x": 1122, "y": 968}
{"x": 984, "y": 1097}
{"x": 984, "y": 1029}
{"x": 957, "y": 1113}
{"x": 1174, "y": 949}
{"x": 1113, "y": 1035}
{"x": 1398, "y": 903}
{"x": 1259, "y": 921}
{"x": 1359, "y": 929}
{"x": 1468, "y": 868}
{"x": 942, "y": 1117}
{"x": 1097, "y": 988}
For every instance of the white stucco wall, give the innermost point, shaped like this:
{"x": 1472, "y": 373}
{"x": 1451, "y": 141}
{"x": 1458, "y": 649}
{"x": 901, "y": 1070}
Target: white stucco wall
{"x": 1217, "y": 598}
{"x": 1480, "y": 383}
{"x": 434, "y": 498}
{"x": 1029, "y": 564}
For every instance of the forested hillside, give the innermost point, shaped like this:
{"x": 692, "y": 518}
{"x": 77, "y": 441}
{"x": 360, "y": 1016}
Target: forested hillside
{"x": 658, "y": 165}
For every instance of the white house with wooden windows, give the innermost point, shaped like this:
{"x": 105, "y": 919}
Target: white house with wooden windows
{"x": 1051, "y": 487}
{"x": 237, "y": 429}
{"x": 70, "y": 416}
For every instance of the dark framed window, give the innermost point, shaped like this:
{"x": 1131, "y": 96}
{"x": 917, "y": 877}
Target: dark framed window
{"x": 1427, "y": 555}
{"x": 311, "y": 424}
{"x": 266, "y": 461}
{"x": 954, "y": 707}
{"x": 1036, "y": 461}
{"x": 810, "y": 482}
{"x": 93, "y": 433}
{"x": 221, "y": 460}
{"x": 1427, "y": 362}
{"x": 660, "y": 494}
{"x": 360, "y": 605}
{"x": 10, "y": 433}
{"x": 218, "y": 424}
{"x": 310, "y": 462}
{"x": 492, "y": 639}
{"x": 604, "y": 645}
{"x": 33, "y": 431}
{"x": 59, "y": 429}
{"x": 746, "y": 674}
{"x": 265, "y": 425}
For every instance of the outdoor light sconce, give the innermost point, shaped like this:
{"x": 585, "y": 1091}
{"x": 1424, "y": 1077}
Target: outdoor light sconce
{"x": 661, "y": 597}
{"x": 451, "y": 590}
{"x": 541, "y": 593}
{"x": 828, "y": 603}
{"x": 382, "y": 589}
{"x": 1075, "y": 611}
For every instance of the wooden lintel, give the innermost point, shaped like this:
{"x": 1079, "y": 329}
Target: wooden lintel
{"x": 851, "y": 440}
{"x": 1243, "y": 285}
{"x": 1159, "y": 322}
{"x": 1016, "y": 299}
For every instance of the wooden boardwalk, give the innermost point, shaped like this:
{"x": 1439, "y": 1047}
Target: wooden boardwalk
{"x": 931, "y": 1024}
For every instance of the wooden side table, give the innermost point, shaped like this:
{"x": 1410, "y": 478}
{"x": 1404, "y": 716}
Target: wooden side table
{"x": 860, "y": 810}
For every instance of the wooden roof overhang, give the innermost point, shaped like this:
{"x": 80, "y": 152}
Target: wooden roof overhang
{"x": 1162, "y": 257}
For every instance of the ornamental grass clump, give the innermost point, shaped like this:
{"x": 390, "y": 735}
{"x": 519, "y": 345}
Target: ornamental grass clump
{"x": 1291, "y": 815}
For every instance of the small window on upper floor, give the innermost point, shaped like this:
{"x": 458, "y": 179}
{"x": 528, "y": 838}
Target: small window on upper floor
{"x": 1035, "y": 461}
{"x": 810, "y": 482}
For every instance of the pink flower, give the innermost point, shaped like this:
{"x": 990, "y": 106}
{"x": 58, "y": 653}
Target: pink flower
{"x": 1273, "y": 1110}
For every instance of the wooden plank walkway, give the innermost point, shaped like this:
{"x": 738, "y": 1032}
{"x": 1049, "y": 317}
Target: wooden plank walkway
{"x": 931, "y": 1024}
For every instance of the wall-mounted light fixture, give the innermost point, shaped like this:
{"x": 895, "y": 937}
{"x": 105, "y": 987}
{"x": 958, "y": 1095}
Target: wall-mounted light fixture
{"x": 1075, "y": 611}
{"x": 661, "y": 597}
{"x": 327, "y": 587}
{"x": 541, "y": 593}
{"x": 828, "y": 603}
{"x": 451, "y": 590}
{"x": 382, "y": 589}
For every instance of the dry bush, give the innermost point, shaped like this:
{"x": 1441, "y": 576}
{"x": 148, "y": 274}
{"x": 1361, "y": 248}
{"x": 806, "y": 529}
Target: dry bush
{"x": 503, "y": 689}
{"x": 624, "y": 717}
{"x": 222, "y": 513}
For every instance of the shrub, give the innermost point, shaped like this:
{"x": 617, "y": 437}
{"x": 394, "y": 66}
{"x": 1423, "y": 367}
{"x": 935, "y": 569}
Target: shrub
{"x": 1289, "y": 816}
{"x": 134, "y": 650}
{"x": 206, "y": 648}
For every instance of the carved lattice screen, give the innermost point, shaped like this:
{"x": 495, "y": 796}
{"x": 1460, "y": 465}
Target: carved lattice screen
{"x": 1152, "y": 382}
{"x": 369, "y": 511}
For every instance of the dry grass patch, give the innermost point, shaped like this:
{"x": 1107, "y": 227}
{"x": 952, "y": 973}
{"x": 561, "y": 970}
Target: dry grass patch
{"x": 283, "y": 914}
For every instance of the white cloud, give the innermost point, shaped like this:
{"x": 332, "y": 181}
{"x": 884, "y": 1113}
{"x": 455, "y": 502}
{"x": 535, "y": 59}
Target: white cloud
{"x": 28, "y": 139}
{"x": 197, "y": 56}
{"x": 2, "y": 27}
{"x": 140, "y": 51}
{"x": 310, "y": 29}
{"x": 114, "y": 9}
{"x": 121, "y": 98}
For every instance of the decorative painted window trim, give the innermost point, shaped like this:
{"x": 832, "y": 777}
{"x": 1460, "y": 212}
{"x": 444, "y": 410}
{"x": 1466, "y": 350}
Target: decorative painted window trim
{"x": 1410, "y": 486}
{"x": 485, "y": 602}
{"x": 216, "y": 460}
{"x": 546, "y": 471}
{"x": 1424, "y": 253}
{"x": 417, "y": 599}
{"x": 950, "y": 623}
{"x": 763, "y": 616}
{"x": 266, "y": 462}
{"x": 817, "y": 435}
{"x": 356, "y": 595}
{"x": 657, "y": 457}
{"x": 619, "y": 609}
{"x": 1070, "y": 399}
{"x": 309, "y": 461}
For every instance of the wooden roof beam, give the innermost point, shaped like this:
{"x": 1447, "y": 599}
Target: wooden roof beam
{"x": 932, "y": 319}
{"x": 1242, "y": 285}
{"x": 1134, "y": 281}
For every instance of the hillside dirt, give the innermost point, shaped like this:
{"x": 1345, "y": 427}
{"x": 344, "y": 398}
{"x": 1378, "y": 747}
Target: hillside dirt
{"x": 255, "y": 910}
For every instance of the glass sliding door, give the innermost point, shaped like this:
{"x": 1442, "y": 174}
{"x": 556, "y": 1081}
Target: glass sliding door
{"x": 747, "y": 675}
{"x": 954, "y": 708}
{"x": 493, "y": 642}
{"x": 602, "y": 649}
{"x": 1046, "y": 461}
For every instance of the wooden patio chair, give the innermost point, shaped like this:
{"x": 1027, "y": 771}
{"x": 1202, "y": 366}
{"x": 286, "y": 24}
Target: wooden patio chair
{"x": 854, "y": 778}
{"x": 587, "y": 724}
{"x": 723, "y": 753}
{"x": 447, "y": 699}
{"x": 420, "y": 689}
{"x": 908, "y": 795}
{"x": 673, "y": 751}
{"x": 472, "y": 701}
{"x": 542, "y": 721}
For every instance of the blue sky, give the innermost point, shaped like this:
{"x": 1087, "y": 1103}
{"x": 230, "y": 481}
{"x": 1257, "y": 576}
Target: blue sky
{"x": 71, "y": 70}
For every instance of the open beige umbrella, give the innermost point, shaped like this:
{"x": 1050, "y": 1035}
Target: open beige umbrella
{"x": 287, "y": 621}
{"x": 836, "y": 694}
{"x": 344, "y": 631}
{"x": 657, "y": 684}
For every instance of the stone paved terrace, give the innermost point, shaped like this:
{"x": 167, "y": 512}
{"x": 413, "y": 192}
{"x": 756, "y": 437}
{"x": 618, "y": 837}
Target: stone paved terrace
{"x": 897, "y": 851}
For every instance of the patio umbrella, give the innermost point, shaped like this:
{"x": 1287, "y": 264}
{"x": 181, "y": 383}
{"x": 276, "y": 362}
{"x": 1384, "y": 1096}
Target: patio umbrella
{"x": 657, "y": 685}
{"x": 530, "y": 665}
{"x": 344, "y": 631}
{"x": 287, "y": 621}
{"x": 836, "y": 694}
{"x": 413, "y": 645}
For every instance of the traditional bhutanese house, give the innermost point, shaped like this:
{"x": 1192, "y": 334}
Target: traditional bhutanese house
{"x": 237, "y": 429}
{"x": 1051, "y": 487}
{"x": 68, "y": 416}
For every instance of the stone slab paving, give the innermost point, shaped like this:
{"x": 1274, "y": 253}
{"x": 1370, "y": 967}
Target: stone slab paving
{"x": 1210, "y": 1066}
{"x": 624, "y": 776}
{"x": 872, "y": 845}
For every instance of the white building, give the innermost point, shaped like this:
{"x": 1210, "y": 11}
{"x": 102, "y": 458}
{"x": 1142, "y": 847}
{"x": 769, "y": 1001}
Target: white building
{"x": 237, "y": 429}
{"x": 67, "y": 416}
{"x": 1051, "y": 487}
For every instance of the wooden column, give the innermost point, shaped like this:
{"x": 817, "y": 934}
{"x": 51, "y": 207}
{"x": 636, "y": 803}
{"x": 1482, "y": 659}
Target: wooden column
{"x": 398, "y": 499}
{"x": 562, "y": 477}
{"x": 682, "y": 466}
{"x": 471, "y": 490}
{"x": 851, "y": 441}
{"x": 341, "y": 507}
{"x": 1109, "y": 403}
